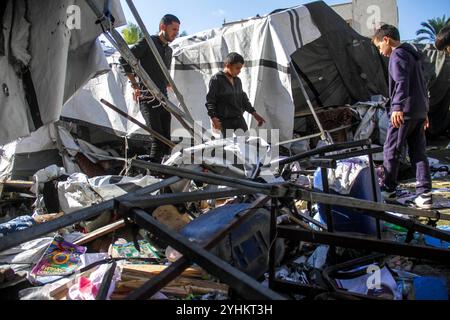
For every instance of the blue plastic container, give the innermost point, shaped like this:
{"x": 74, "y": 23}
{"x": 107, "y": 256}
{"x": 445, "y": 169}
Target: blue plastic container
{"x": 430, "y": 288}
{"x": 346, "y": 219}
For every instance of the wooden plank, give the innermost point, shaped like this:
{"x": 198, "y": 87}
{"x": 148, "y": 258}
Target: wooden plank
{"x": 185, "y": 286}
{"x": 100, "y": 232}
{"x": 151, "y": 270}
{"x": 180, "y": 282}
{"x": 169, "y": 291}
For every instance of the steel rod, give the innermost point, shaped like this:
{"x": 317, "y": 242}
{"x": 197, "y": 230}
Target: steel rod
{"x": 154, "y": 133}
{"x": 389, "y": 247}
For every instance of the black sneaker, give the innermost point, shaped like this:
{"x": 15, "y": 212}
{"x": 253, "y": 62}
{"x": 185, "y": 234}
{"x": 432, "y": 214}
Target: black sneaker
{"x": 388, "y": 196}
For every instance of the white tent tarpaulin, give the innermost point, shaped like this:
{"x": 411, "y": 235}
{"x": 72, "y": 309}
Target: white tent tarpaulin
{"x": 114, "y": 87}
{"x": 266, "y": 44}
{"x": 44, "y": 62}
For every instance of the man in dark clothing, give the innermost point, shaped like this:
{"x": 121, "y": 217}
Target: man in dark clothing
{"x": 226, "y": 101}
{"x": 408, "y": 111}
{"x": 155, "y": 116}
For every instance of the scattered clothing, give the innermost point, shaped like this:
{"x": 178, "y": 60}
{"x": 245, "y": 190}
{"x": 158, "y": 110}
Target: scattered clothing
{"x": 18, "y": 224}
{"x": 344, "y": 176}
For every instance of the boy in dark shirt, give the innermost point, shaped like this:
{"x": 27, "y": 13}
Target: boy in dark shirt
{"x": 409, "y": 106}
{"x": 226, "y": 101}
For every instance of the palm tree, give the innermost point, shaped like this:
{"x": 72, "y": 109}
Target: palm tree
{"x": 132, "y": 34}
{"x": 431, "y": 28}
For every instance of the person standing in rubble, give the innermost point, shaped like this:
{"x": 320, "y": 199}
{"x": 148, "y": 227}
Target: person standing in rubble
{"x": 408, "y": 112}
{"x": 226, "y": 101}
{"x": 443, "y": 40}
{"x": 155, "y": 116}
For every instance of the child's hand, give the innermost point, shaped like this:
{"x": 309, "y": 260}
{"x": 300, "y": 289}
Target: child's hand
{"x": 259, "y": 119}
{"x": 216, "y": 123}
{"x": 136, "y": 95}
{"x": 427, "y": 124}
{"x": 397, "y": 119}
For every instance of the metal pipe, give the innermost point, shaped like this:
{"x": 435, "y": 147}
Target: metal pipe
{"x": 154, "y": 133}
{"x": 177, "y": 198}
{"x": 312, "y": 136}
{"x": 374, "y": 190}
{"x": 204, "y": 177}
{"x": 288, "y": 190}
{"x": 389, "y": 247}
{"x": 158, "y": 58}
{"x": 106, "y": 282}
{"x": 119, "y": 43}
{"x": 323, "y": 150}
{"x": 354, "y": 154}
{"x": 311, "y": 107}
{"x": 272, "y": 240}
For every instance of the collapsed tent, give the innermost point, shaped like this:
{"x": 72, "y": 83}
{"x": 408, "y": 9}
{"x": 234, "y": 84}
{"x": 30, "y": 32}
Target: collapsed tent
{"x": 437, "y": 73}
{"x": 44, "y": 60}
{"x": 52, "y": 144}
{"x": 85, "y": 106}
{"x": 341, "y": 67}
{"x": 314, "y": 37}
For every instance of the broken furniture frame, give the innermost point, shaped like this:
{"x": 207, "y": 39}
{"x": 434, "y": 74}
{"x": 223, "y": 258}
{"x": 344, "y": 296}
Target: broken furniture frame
{"x": 386, "y": 247}
{"x": 154, "y": 285}
{"x": 284, "y": 286}
{"x": 366, "y": 149}
{"x": 331, "y": 271}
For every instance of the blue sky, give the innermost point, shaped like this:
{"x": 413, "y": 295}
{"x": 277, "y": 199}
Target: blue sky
{"x": 198, "y": 15}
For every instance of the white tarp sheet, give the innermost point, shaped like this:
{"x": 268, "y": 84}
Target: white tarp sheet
{"x": 79, "y": 192}
{"x": 60, "y": 60}
{"x": 85, "y": 105}
{"x": 42, "y": 139}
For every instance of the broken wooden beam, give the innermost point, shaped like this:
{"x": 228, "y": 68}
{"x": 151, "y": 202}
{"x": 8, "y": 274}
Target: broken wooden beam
{"x": 152, "y": 270}
{"x": 100, "y": 232}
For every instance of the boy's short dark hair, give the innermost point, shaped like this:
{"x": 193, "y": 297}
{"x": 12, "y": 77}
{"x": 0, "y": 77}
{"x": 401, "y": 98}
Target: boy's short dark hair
{"x": 234, "y": 58}
{"x": 443, "y": 38}
{"x": 168, "y": 19}
{"x": 386, "y": 30}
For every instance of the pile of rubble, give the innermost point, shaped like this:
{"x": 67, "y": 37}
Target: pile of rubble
{"x": 213, "y": 232}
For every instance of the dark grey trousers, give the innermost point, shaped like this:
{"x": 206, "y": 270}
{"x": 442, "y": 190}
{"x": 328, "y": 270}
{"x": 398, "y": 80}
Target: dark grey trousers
{"x": 412, "y": 133}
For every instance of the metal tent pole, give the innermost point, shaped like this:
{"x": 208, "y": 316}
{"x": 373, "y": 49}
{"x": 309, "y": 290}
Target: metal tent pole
{"x": 158, "y": 58}
{"x": 324, "y": 135}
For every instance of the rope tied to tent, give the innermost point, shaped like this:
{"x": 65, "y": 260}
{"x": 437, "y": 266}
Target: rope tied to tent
{"x": 127, "y": 161}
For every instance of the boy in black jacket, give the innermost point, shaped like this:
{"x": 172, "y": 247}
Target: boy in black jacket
{"x": 226, "y": 101}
